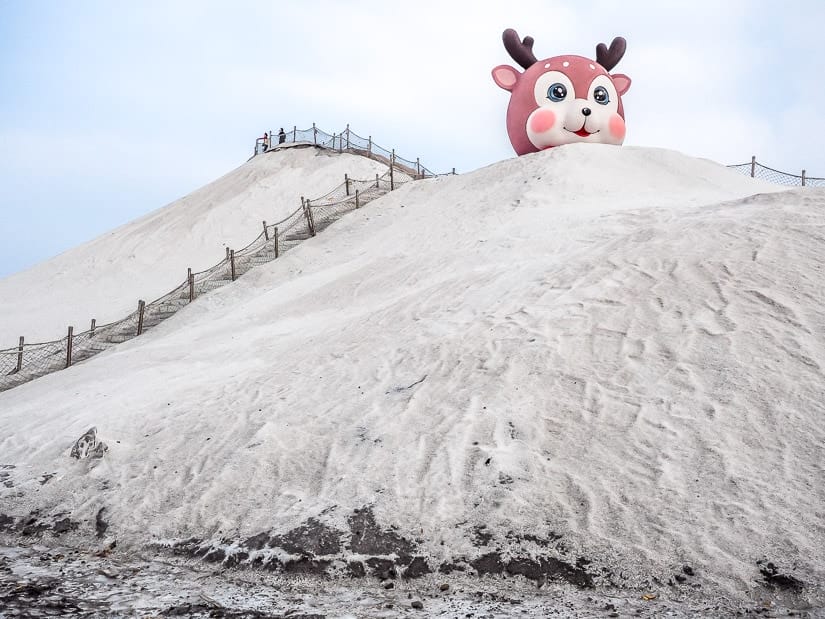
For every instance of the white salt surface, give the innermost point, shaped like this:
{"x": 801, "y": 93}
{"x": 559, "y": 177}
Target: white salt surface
{"x": 144, "y": 259}
{"x": 620, "y": 346}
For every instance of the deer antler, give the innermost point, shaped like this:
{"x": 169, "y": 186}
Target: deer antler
{"x": 609, "y": 58}
{"x": 520, "y": 51}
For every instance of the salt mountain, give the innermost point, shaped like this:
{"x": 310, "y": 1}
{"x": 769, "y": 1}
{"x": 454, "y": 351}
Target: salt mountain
{"x": 596, "y": 364}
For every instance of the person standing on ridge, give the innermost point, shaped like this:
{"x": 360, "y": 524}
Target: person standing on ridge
{"x": 266, "y": 141}
{"x": 281, "y": 136}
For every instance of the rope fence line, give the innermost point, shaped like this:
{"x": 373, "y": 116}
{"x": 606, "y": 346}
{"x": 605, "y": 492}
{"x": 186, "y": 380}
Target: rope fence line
{"x": 26, "y": 361}
{"x": 756, "y": 170}
{"x": 345, "y": 141}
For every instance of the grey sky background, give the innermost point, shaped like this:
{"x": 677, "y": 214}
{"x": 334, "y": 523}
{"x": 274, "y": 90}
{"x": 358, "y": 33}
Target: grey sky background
{"x": 111, "y": 109}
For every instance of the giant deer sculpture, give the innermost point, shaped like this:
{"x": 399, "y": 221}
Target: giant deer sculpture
{"x": 563, "y": 99}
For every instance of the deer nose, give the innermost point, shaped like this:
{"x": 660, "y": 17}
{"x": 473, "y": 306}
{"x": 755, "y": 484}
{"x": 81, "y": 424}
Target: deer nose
{"x": 586, "y": 111}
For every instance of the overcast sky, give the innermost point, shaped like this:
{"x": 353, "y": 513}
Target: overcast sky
{"x": 110, "y": 109}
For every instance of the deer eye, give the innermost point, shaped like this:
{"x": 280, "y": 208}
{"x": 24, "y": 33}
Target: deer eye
{"x": 601, "y": 96}
{"x": 557, "y": 92}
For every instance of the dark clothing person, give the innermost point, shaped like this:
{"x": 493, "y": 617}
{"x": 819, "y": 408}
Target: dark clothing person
{"x": 281, "y": 136}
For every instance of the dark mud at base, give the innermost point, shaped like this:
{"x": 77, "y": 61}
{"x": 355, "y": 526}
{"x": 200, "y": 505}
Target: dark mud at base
{"x": 40, "y": 581}
{"x": 370, "y": 549}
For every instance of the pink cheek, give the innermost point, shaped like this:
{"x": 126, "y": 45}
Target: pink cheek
{"x": 542, "y": 120}
{"x": 617, "y": 127}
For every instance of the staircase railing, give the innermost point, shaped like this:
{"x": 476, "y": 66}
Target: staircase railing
{"x": 26, "y": 361}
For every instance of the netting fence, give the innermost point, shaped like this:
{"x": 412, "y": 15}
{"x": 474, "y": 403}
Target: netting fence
{"x": 26, "y": 362}
{"x": 345, "y": 141}
{"x": 754, "y": 169}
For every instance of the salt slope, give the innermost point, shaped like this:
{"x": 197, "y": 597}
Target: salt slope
{"x": 105, "y": 277}
{"x": 614, "y": 346}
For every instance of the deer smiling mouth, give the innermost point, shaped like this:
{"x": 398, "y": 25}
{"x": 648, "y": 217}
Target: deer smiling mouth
{"x": 583, "y": 133}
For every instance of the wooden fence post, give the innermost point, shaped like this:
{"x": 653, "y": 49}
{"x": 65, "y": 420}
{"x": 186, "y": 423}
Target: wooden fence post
{"x": 190, "y": 277}
{"x": 347, "y": 136}
{"x": 453, "y": 171}
{"x": 232, "y": 262}
{"x": 304, "y": 211}
{"x": 141, "y": 311}
{"x": 753, "y": 166}
{"x": 227, "y": 253}
{"x": 314, "y": 134}
{"x": 266, "y": 232}
{"x": 369, "y": 148}
{"x": 20, "y": 355}
{"x": 308, "y": 215}
{"x": 803, "y": 178}
{"x": 294, "y": 133}
{"x": 418, "y": 166}
{"x": 392, "y": 165}
{"x": 275, "y": 236}
{"x": 357, "y": 204}
{"x": 69, "y": 347}
{"x": 92, "y": 328}
{"x": 376, "y": 180}
{"x": 346, "y": 182}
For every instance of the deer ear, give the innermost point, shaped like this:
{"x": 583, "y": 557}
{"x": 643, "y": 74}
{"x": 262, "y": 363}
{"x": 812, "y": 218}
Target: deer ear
{"x": 505, "y": 76}
{"x": 622, "y": 83}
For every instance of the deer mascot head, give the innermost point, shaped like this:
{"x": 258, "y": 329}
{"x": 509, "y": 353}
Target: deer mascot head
{"x": 563, "y": 99}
